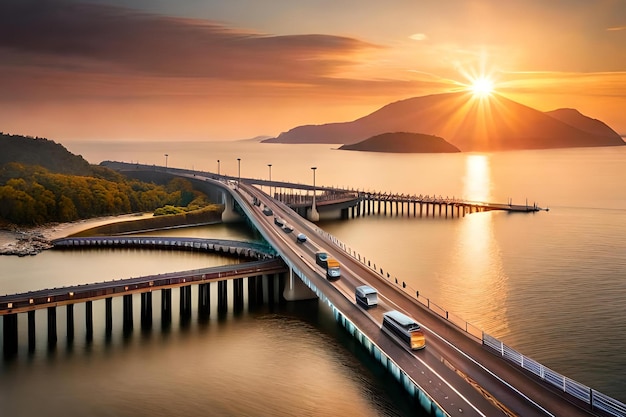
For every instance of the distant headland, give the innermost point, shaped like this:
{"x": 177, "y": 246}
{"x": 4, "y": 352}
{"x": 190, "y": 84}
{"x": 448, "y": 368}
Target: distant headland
{"x": 467, "y": 123}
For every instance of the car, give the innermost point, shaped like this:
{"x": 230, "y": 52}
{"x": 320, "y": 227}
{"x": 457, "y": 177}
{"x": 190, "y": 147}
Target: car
{"x": 301, "y": 238}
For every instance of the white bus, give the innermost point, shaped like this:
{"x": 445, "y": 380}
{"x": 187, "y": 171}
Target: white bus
{"x": 405, "y": 328}
{"x": 366, "y": 296}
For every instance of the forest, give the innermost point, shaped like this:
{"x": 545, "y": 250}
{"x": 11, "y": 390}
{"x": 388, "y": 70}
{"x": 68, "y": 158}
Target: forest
{"x": 33, "y": 192}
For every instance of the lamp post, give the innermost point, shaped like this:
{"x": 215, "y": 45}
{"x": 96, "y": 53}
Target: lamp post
{"x": 218, "y": 167}
{"x": 238, "y": 171}
{"x": 166, "y": 155}
{"x": 270, "y": 167}
{"x": 314, "y": 214}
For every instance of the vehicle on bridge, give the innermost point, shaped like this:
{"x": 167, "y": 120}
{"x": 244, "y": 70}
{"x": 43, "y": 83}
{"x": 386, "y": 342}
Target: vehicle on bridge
{"x": 332, "y": 266}
{"x": 278, "y": 221}
{"x": 366, "y": 296}
{"x": 405, "y": 328}
{"x": 321, "y": 258}
{"x": 288, "y": 228}
{"x": 333, "y": 269}
{"x": 267, "y": 211}
{"x": 301, "y": 238}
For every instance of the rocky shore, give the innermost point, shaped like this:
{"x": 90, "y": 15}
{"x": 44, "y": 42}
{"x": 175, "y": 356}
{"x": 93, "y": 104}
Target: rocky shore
{"x": 24, "y": 243}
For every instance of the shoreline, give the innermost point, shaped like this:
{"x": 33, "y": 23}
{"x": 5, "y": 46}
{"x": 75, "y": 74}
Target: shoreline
{"x": 29, "y": 241}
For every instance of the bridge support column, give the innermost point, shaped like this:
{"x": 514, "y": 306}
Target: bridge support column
{"x": 222, "y": 297}
{"x": 89, "y": 319}
{"x": 69, "y": 313}
{"x": 9, "y": 335}
{"x": 166, "y": 307}
{"x": 229, "y": 215}
{"x": 185, "y": 303}
{"x": 128, "y": 313}
{"x": 31, "y": 331}
{"x": 108, "y": 316}
{"x": 52, "y": 327}
{"x": 252, "y": 292}
{"x": 238, "y": 294}
{"x": 146, "y": 310}
{"x": 312, "y": 214}
{"x": 296, "y": 290}
{"x": 204, "y": 300}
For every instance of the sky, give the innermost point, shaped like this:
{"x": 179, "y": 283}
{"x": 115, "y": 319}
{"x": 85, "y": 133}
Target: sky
{"x": 201, "y": 70}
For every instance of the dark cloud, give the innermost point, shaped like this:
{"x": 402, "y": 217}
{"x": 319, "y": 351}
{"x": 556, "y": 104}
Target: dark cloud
{"x": 94, "y": 38}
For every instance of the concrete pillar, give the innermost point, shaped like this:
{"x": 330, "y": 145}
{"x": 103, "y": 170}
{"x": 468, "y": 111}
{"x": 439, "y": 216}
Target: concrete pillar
{"x": 69, "y": 310}
{"x": 313, "y": 215}
{"x": 222, "y": 297}
{"x": 108, "y": 313}
{"x": 166, "y": 307}
{"x": 31, "y": 331}
{"x": 128, "y": 313}
{"x": 229, "y": 215}
{"x": 146, "y": 310}
{"x": 238, "y": 294}
{"x": 52, "y": 327}
{"x": 252, "y": 295}
{"x": 89, "y": 319}
{"x": 185, "y": 303}
{"x": 9, "y": 335}
{"x": 204, "y": 300}
{"x": 265, "y": 288}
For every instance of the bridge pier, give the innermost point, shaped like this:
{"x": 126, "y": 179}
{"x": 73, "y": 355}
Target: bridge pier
{"x": 9, "y": 335}
{"x": 146, "y": 310}
{"x": 52, "y": 327}
{"x": 222, "y": 297}
{"x": 166, "y": 307}
{"x": 69, "y": 313}
{"x": 238, "y": 294}
{"x": 296, "y": 290}
{"x": 108, "y": 313}
{"x": 89, "y": 319}
{"x": 204, "y": 300}
{"x": 31, "y": 331}
{"x": 185, "y": 304}
{"x": 230, "y": 215}
{"x": 128, "y": 313}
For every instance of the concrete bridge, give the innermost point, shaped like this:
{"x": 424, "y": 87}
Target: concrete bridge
{"x": 462, "y": 371}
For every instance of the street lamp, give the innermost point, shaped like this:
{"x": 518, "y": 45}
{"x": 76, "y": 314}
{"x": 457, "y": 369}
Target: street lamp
{"x": 166, "y": 155}
{"x": 314, "y": 214}
{"x": 238, "y": 171}
{"x": 270, "y": 167}
{"x": 218, "y": 167}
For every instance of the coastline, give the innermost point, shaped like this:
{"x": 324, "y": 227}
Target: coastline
{"x": 29, "y": 241}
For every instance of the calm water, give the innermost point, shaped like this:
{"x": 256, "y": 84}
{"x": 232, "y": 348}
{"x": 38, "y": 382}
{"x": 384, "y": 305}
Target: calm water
{"x": 550, "y": 284}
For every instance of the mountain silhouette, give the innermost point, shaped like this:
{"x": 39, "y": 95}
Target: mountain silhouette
{"x": 492, "y": 123}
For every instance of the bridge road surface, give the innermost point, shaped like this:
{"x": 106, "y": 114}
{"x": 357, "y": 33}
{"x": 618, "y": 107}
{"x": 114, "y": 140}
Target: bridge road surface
{"x": 460, "y": 374}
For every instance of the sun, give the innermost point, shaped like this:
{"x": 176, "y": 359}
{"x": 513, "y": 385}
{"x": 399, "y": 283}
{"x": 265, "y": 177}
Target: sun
{"x": 481, "y": 87}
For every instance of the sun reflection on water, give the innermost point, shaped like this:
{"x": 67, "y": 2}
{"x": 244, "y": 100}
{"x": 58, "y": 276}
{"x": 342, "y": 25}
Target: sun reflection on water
{"x": 477, "y": 284}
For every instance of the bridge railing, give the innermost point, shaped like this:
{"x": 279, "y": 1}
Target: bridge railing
{"x": 595, "y": 399}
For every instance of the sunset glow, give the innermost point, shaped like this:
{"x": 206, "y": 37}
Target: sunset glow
{"x": 211, "y": 70}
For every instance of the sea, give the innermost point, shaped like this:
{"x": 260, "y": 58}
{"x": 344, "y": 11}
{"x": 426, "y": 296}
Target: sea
{"x": 550, "y": 284}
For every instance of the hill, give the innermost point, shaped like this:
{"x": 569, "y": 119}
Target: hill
{"x": 41, "y": 152}
{"x": 42, "y": 182}
{"x": 574, "y": 118}
{"x": 403, "y": 142}
{"x": 489, "y": 124}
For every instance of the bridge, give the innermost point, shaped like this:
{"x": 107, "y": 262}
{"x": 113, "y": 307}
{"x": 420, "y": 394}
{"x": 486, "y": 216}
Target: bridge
{"x": 462, "y": 371}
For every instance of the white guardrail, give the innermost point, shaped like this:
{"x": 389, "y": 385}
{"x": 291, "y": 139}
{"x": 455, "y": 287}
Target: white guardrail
{"x": 595, "y": 399}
